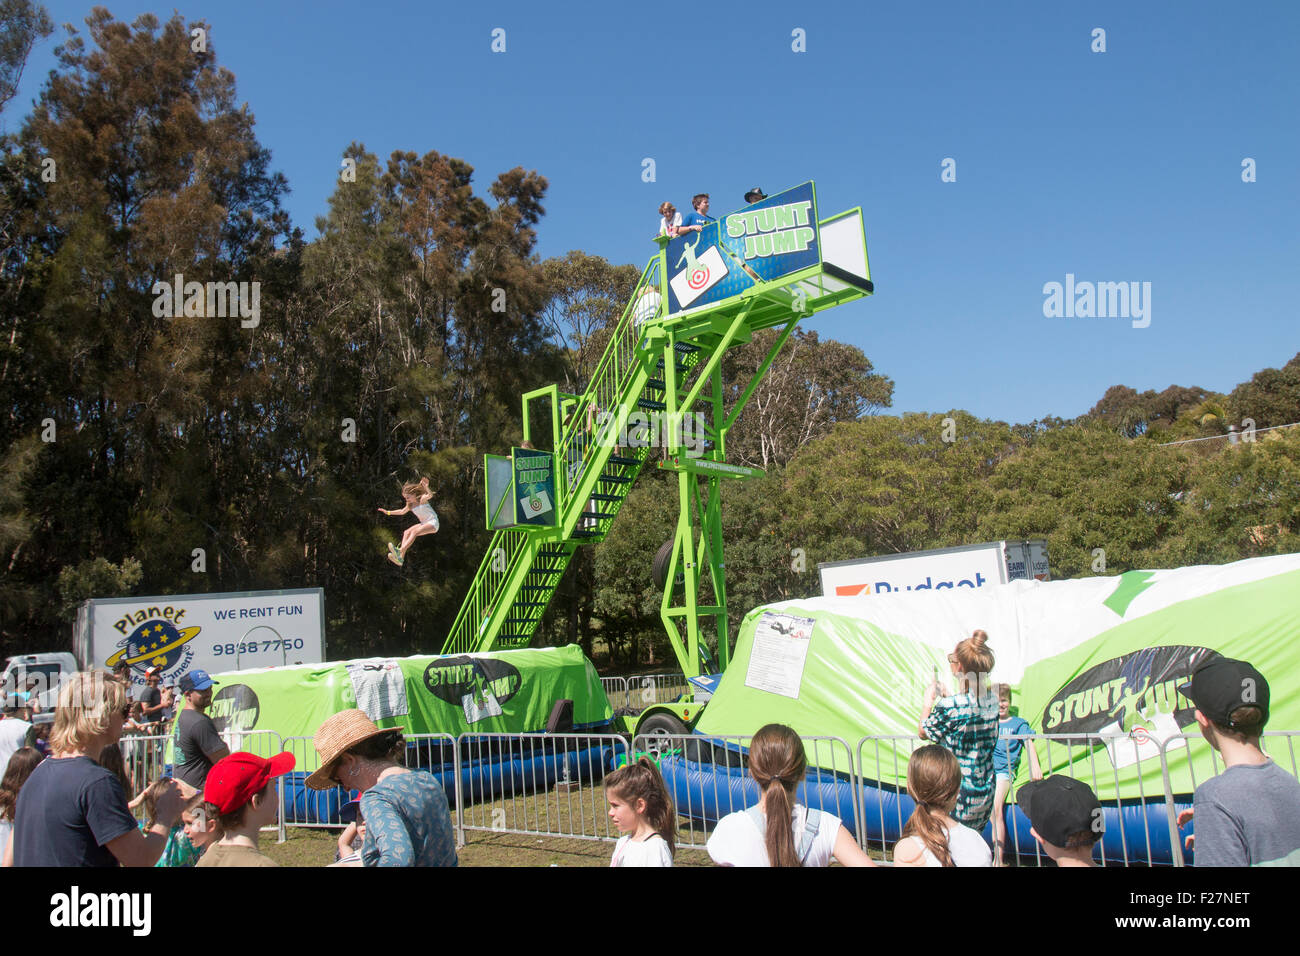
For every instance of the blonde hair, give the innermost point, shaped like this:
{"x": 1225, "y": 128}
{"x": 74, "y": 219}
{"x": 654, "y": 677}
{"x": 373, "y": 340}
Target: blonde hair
{"x": 666, "y": 208}
{"x": 86, "y": 706}
{"x": 975, "y": 660}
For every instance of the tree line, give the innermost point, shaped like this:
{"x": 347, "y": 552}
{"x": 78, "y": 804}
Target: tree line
{"x": 150, "y": 451}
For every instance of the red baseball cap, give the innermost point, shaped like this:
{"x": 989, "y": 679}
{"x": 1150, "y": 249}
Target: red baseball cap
{"x": 233, "y": 780}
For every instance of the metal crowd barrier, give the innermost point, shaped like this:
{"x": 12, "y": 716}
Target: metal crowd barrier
{"x": 616, "y": 691}
{"x": 552, "y": 785}
{"x": 712, "y": 772}
{"x": 644, "y": 690}
{"x": 536, "y": 784}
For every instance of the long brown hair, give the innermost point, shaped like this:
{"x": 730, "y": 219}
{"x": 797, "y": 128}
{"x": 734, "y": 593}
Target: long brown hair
{"x": 777, "y": 762}
{"x": 933, "y": 780}
{"x": 976, "y": 660}
{"x": 642, "y": 781}
{"x": 21, "y": 765}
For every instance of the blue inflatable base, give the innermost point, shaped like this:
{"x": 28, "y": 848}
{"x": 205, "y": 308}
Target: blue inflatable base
{"x": 540, "y": 768}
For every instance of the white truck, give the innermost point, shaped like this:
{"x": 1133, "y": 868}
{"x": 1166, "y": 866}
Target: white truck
{"x": 180, "y": 633}
{"x": 967, "y": 566}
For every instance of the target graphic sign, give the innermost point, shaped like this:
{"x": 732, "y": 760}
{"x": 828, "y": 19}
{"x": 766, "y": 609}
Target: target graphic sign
{"x": 694, "y": 280}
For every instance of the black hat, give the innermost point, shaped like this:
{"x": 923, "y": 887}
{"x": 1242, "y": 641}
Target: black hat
{"x": 755, "y": 194}
{"x": 1058, "y": 807}
{"x": 1221, "y": 685}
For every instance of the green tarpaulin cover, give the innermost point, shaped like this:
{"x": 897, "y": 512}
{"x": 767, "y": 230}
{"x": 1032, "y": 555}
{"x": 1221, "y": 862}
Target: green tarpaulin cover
{"x": 1092, "y": 656}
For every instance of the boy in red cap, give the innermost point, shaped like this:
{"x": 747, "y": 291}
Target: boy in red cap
{"x": 240, "y": 794}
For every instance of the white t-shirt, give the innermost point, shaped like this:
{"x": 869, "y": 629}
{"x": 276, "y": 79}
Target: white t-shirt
{"x": 664, "y": 223}
{"x": 647, "y": 307}
{"x": 426, "y": 514}
{"x": 965, "y": 845}
{"x": 12, "y": 734}
{"x": 652, "y": 851}
{"x": 736, "y": 841}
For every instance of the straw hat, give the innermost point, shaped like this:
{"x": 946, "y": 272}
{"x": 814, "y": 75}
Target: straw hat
{"x": 335, "y": 737}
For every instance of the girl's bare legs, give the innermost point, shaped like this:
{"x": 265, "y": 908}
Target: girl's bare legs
{"x": 413, "y": 532}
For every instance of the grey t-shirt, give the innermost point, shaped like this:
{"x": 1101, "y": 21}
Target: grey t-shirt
{"x": 196, "y": 737}
{"x": 1249, "y": 815}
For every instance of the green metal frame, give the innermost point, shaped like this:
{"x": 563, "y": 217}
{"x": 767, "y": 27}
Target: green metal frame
{"x": 524, "y": 565}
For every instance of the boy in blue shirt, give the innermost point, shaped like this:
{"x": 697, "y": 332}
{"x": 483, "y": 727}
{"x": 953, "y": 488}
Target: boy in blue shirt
{"x": 1006, "y": 761}
{"x": 697, "y": 220}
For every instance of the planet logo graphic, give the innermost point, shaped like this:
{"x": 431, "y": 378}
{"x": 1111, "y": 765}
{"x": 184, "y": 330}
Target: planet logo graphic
{"x": 157, "y": 643}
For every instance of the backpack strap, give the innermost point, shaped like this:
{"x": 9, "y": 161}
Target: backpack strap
{"x": 812, "y": 824}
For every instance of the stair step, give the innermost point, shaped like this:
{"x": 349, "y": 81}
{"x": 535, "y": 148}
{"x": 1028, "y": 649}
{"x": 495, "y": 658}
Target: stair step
{"x": 617, "y": 479}
{"x": 597, "y": 515}
{"x": 585, "y": 534}
{"x": 621, "y": 460}
{"x": 657, "y": 384}
{"x": 686, "y": 348}
{"x": 678, "y": 365}
{"x": 552, "y": 552}
{"x": 519, "y": 603}
{"x": 607, "y": 497}
{"x": 651, "y": 406}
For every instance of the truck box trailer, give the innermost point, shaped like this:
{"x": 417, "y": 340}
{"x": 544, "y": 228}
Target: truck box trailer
{"x": 967, "y": 566}
{"x": 179, "y": 633}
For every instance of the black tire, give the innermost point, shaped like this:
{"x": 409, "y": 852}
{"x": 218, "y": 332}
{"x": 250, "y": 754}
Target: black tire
{"x": 660, "y": 725}
{"x": 664, "y": 557}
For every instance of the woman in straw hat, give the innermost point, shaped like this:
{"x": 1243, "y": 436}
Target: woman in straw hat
{"x": 407, "y": 820}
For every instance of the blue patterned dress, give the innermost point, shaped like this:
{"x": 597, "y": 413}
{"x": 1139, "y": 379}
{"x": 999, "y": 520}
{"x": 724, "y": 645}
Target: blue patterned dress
{"x": 407, "y": 822}
{"x": 968, "y": 726}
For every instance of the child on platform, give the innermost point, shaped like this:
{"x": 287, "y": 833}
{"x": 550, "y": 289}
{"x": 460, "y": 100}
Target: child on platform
{"x": 418, "y": 496}
{"x": 640, "y": 807}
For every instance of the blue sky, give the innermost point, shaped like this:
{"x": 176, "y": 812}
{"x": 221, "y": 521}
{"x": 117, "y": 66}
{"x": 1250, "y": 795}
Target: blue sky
{"x": 1115, "y": 166}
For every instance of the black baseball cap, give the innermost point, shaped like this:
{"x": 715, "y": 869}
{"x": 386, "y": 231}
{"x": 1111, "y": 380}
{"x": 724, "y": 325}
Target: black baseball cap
{"x": 1221, "y": 685}
{"x": 1058, "y": 807}
{"x": 755, "y": 194}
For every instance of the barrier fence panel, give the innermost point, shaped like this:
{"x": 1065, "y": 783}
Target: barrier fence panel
{"x": 1136, "y": 826}
{"x": 146, "y": 760}
{"x": 616, "y": 691}
{"x": 538, "y": 784}
{"x": 707, "y": 777}
{"x": 644, "y": 690}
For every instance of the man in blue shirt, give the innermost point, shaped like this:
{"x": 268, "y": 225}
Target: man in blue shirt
{"x": 697, "y": 220}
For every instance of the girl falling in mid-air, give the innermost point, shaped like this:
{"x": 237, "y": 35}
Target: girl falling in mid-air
{"x": 418, "y": 496}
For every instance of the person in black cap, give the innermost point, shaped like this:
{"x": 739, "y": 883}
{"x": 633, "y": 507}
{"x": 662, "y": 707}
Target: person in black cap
{"x": 1064, "y": 816}
{"x": 1249, "y": 815}
{"x": 755, "y": 195}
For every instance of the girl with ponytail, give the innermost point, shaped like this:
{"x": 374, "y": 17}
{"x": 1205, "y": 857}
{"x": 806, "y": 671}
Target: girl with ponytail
{"x": 640, "y": 807}
{"x": 932, "y": 837}
{"x": 779, "y": 831}
{"x": 966, "y": 722}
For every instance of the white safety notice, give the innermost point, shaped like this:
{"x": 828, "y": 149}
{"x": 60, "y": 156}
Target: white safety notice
{"x": 777, "y": 656}
{"x": 380, "y": 688}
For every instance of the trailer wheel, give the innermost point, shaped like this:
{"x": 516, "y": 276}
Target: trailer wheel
{"x": 657, "y": 729}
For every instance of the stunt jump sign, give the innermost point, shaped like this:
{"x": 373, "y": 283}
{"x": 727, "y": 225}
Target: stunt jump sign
{"x": 535, "y": 488}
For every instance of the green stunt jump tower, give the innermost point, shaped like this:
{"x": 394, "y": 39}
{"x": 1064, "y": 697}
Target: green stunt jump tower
{"x": 768, "y": 265}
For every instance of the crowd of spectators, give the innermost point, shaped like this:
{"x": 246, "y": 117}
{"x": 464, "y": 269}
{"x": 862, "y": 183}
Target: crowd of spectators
{"x": 66, "y": 796}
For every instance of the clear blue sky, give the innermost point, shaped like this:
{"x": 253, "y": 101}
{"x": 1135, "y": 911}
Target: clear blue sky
{"x": 1115, "y": 166}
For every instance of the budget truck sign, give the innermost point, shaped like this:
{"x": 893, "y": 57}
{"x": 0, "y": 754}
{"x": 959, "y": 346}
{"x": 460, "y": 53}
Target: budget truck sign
{"x": 968, "y": 566}
{"x": 211, "y": 632}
